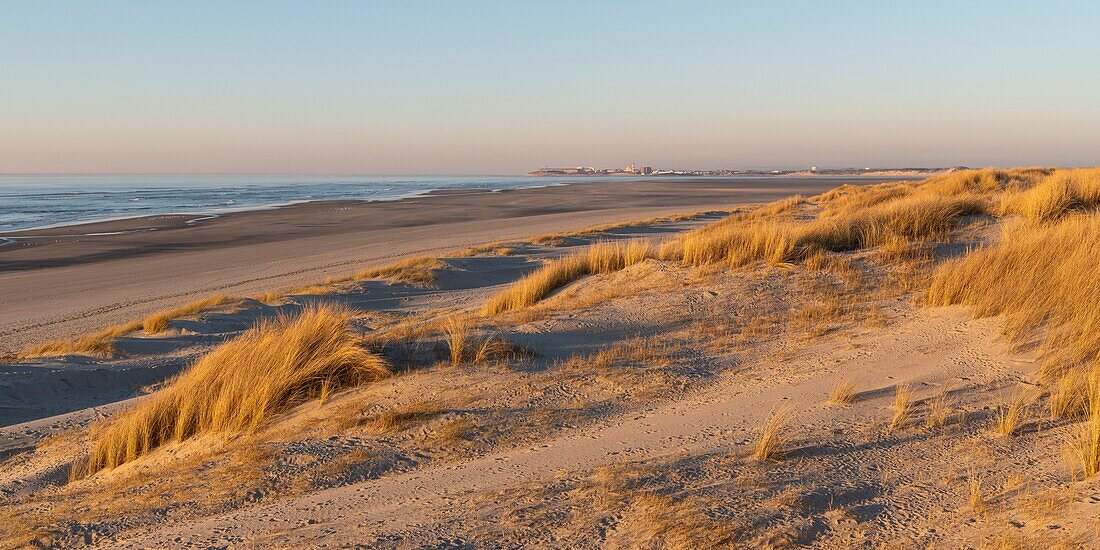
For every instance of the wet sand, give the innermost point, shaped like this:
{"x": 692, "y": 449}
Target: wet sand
{"x": 66, "y": 281}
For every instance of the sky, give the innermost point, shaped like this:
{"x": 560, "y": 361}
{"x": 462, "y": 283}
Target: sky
{"x": 412, "y": 87}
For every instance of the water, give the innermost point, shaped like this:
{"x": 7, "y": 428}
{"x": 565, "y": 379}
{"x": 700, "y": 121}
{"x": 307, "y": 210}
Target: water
{"x": 38, "y": 201}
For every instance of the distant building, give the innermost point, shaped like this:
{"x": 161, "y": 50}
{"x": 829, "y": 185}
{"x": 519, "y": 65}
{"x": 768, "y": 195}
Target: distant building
{"x": 813, "y": 169}
{"x": 647, "y": 170}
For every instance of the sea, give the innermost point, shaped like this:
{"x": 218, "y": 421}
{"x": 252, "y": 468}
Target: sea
{"x": 41, "y": 201}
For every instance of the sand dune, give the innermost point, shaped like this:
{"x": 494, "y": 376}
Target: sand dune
{"x": 621, "y": 405}
{"x": 62, "y": 283}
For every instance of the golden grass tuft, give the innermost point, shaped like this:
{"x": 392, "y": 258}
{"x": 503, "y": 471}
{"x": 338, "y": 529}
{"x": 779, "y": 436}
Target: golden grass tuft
{"x": 939, "y": 409}
{"x": 1055, "y": 196}
{"x": 661, "y": 521}
{"x": 494, "y": 348}
{"x": 1008, "y": 414}
{"x": 1038, "y": 276}
{"x": 99, "y": 344}
{"x": 773, "y": 439}
{"x": 902, "y": 407}
{"x": 159, "y": 321}
{"x": 735, "y": 245}
{"x": 601, "y": 257}
{"x": 456, "y": 331}
{"x": 241, "y": 384}
{"x": 844, "y": 393}
{"x": 420, "y": 270}
{"x": 848, "y": 198}
{"x": 737, "y": 241}
{"x": 1084, "y": 447}
{"x": 778, "y": 207}
{"x": 1069, "y": 394}
{"x": 985, "y": 181}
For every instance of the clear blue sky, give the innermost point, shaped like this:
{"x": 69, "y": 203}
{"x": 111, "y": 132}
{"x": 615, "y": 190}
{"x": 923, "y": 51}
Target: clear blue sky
{"x": 502, "y": 87}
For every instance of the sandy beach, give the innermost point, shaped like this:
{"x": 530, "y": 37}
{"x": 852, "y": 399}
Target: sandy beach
{"x": 807, "y": 371}
{"x": 66, "y": 281}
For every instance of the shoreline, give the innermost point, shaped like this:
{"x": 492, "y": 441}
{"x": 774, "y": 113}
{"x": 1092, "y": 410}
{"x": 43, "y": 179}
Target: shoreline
{"x": 15, "y": 235}
{"x": 67, "y": 283}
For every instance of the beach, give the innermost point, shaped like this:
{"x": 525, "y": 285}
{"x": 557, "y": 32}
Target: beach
{"x": 70, "y": 280}
{"x": 794, "y": 364}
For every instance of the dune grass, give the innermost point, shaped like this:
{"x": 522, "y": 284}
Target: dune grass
{"x": 1038, "y": 276}
{"x": 739, "y": 242}
{"x": 159, "y": 321}
{"x": 241, "y": 384}
{"x": 98, "y": 344}
{"x": 1084, "y": 445}
{"x": 420, "y": 270}
{"x": 773, "y": 438}
{"x": 844, "y": 393}
{"x": 601, "y": 257}
{"x": 399, "y": 418}
{"x": 456, "y": 332}
{"x": 986, "y": 180}
{"x": 559, "y": 237}
{"x": 902, "y": 407}
{"x": 939, "y": 409}
{"x": 1055, "y": 196}
{"x": 1007, "y": 415}
{"x": 1069, "y": 394}
{"x": 101, "y": 344}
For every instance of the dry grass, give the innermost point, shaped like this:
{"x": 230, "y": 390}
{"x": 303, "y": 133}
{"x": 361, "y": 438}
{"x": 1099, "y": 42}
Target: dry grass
{"x": 1008, "y": 414}
{"x": 939, "y": 409}
{"x": 456, "y": 332}
{"x": 1084, "y": 447}
{"x": 401, "y": 418}
{"x": 848, "y": 198}
{"x": 738, "y": 241}
{"x": 633, "y": 507}
{"x": 1038, "y": 276}
{"x": 463, "y": 346}
{"x": 818, "y": 316}
{"x": 984, "y": 181}
{"x": 202, "y": 479}
{"x": 492, "y": 249}
{"x": 560, "y": 237}
{"x": 241, "y": 384}
{"x": 844, "y": 393}
{"x": 773, "y": 439}
{"x": 660, "y": 521}
{"x": 639, "y": 350}
{"x": 159, "y": 321}
{"x": 1055, "y": 196}
{"x": 454, "y": 432}
{"x": 494, "y": 348}
{"x": 100, "y": 344}
{"x": 414, "y": 271}
{"x": 903, "y": 406}
{"x": 1069, "y": 394}
{"x": 778, "y": 207}
{"x": 604, "y": 257}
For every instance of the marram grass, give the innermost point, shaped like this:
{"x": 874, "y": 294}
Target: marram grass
{"x": 241, "y": 384}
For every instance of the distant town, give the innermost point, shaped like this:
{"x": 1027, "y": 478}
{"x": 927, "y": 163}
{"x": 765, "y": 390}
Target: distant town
{"x": 636, "y": 170}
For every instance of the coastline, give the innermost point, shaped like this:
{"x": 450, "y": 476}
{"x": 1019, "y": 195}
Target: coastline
{"x": 96, "y": 227}
{"x": 65, "y": 282}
